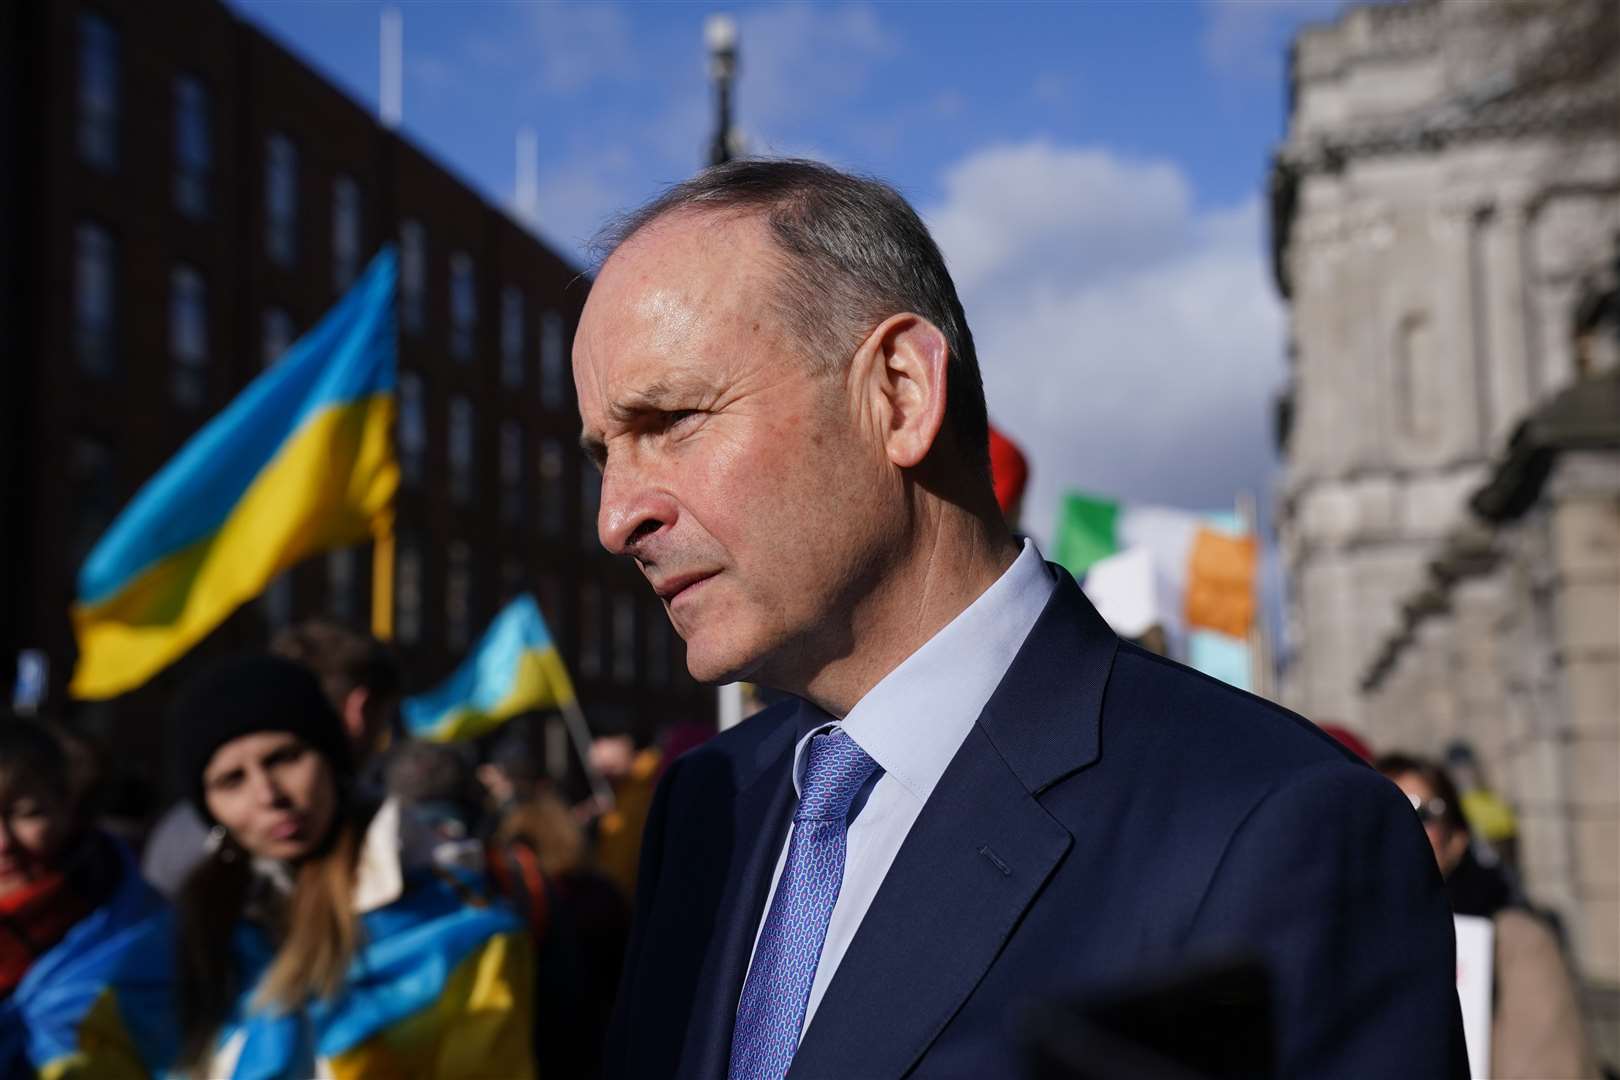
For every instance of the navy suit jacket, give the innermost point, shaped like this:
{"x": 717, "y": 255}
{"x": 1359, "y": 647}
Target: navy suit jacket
{"x": 1111, "y": 816}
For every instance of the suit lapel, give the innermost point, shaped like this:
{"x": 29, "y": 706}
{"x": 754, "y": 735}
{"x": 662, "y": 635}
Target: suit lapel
{"x": 763, "y": 808}
{"x": 977, "y": 856}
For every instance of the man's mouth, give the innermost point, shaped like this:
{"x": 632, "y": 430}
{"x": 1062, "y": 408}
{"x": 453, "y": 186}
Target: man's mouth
{"x": 672, "y": 588}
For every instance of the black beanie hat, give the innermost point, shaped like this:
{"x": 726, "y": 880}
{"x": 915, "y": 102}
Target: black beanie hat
{"x": 242, "y": 696}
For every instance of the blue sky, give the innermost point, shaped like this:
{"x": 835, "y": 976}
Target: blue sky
{"x": 1094, "y": 172}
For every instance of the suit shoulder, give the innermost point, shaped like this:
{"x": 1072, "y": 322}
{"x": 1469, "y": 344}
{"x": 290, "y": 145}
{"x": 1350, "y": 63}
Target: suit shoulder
{"x": 1217, "y": 725}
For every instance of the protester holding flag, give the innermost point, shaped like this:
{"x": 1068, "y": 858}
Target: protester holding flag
{"x": 303, "y": 946}
{"x": 71, "y": 908}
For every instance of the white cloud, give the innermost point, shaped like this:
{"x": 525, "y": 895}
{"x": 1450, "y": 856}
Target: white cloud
{"x": 1130, "y": 342}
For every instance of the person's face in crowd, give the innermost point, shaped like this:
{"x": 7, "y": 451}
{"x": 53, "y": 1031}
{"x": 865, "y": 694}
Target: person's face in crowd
{"x": 33, "y": 827}
{"x": 612, "y": 755}
{"x": 368, "y": 720}
{"x": 275, "y": 795}
{"x": 1449, "y": 843}
{"x": 748, "y": 487}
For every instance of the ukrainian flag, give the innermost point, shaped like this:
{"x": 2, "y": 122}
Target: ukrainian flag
{"x": 300, "y": 462}
{"x": 514, "y": 668}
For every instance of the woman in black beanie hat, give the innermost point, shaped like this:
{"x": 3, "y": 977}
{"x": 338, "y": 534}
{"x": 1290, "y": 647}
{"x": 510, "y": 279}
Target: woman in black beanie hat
{"x": 263, "y": 757}
{"x": 272, "y": 921}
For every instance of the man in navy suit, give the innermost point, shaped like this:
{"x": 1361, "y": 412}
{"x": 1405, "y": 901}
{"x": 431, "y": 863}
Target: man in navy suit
{"x": 981, "y": 797}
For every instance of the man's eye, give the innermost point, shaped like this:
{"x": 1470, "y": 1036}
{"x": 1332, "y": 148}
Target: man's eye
{"x": 675, "y": 418}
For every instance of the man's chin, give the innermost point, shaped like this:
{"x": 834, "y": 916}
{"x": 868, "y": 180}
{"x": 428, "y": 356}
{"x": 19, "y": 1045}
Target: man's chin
{"x": 720, "y": 668}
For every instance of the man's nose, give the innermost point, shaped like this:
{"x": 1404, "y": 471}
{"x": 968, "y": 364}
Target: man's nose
{"x": 632, "y": 510}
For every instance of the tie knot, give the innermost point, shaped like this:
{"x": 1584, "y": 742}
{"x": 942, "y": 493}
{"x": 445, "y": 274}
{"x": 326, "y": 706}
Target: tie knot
{"x": 833, "y": 774}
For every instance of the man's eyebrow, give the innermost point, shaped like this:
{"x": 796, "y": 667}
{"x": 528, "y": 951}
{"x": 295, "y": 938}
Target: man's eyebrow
{"x": 660, "y": 395}
{"x": 657, "y": 395}
{"x": 593, "y": 448}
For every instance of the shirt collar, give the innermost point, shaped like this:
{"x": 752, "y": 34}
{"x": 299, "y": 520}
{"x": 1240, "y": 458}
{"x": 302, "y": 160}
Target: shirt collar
{"x": 914, "y": 720}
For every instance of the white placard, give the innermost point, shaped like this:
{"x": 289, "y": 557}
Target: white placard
{"x": 1476, "y": 945}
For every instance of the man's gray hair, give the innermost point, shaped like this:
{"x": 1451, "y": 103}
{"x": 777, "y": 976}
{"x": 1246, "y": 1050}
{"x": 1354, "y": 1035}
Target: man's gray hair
{"x": 854, "y": 252}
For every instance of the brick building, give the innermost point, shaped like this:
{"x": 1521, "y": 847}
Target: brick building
{"x": 183, "y": 197}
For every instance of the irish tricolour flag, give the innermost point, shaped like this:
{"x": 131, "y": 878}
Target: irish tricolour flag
{"x": 1192, "y": 575}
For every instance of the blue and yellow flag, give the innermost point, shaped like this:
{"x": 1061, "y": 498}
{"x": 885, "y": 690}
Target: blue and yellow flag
{"x": 440, "y": 987}
{"x": 300, "y": 462}
{"x": 515, "y": 667}
{"x": 99, "y": 1003}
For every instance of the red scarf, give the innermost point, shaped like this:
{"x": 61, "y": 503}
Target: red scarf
{"x": 38, "y": 916}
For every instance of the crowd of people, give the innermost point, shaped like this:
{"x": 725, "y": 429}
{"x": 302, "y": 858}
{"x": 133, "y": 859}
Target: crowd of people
{"x": 324, "y": 898}
{"x": 971, "y": 795}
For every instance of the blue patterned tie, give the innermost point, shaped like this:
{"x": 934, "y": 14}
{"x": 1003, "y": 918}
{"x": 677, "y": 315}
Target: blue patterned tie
{"x": 778, "y": 988}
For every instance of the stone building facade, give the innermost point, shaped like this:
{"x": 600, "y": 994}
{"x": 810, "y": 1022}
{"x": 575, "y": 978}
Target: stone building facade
{"x": 1446, "y": 210}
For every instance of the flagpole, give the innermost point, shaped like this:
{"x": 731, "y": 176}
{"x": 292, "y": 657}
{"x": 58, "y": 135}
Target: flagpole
{"x": 382, "y": 585}
{"x": 580, "y": 733}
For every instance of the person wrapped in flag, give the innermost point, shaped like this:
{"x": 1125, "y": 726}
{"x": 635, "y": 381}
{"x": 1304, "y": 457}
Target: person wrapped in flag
{"x": 301, "y": 945}
{"x": 75, "y": 960}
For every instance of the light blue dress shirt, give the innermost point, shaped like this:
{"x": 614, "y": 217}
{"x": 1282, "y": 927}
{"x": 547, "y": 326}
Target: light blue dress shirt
{"x": 912, "y": 723}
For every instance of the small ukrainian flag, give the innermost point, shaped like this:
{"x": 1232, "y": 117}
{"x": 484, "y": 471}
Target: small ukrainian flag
{"x": 301, "y": 461}
{"x": 515, "y": 667}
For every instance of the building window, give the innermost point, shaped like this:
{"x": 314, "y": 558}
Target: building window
{"x": 277, "y": 336}
{"x": 340, "y": 580}
{"x": 553, "y": 364}
{"x": 590, "y": 502}
{"x": 511, "y": 337}
{"x": 590, "y": 631}
{"x": 95, "y": 295}
{"x": 193, "y": 147}
{"x": 412, "y": 275}
{"x": 551, "y": 488}
{"x": 281, "y": 200}
{"x": 624, "y": 638}
{"x": 511, "y": 472}
{"x": 461, "y": 450}
{"x": 458, "y": 596}
{"x": 345, "y": 232}
{"x": 551, "y": 608}
{"x": 658, "y": 646}
{"x": 408, "y": 592}
{"x": 95, "y": 493}
{"x": 99, "y": 75}
{"x": 412, "y": 428}
{"x": 463, "y": 307}
{"x": 512, "y": 582}
{"x": 277, "y": 602}
{"x": 188, "y": 337}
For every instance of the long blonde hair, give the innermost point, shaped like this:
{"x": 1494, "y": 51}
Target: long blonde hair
{"x": 315, "y": 929}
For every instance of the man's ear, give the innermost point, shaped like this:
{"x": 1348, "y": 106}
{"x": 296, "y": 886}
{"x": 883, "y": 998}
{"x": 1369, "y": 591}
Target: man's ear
{"x": 904, "y": 369}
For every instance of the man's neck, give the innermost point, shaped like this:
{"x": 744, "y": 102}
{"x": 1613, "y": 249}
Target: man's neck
{"x": 953, "y": 560}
